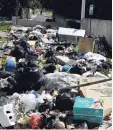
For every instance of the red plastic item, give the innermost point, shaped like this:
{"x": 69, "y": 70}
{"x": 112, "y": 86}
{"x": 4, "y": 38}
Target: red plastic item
{"x": 38, "y": 50}
{"x": 35, "y": 121}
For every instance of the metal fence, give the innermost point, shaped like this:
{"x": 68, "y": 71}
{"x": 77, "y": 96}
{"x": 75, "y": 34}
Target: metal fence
{"x": 98, "y": 28}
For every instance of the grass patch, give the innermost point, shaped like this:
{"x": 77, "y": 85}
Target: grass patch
{"x": 3, "y": 39}
{"x": 5, "y": 27}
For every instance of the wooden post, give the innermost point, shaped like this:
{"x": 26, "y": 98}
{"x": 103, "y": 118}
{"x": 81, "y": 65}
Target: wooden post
{"x": 83, "y": 9}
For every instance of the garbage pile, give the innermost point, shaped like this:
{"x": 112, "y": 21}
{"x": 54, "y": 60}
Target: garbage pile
{"x": 40, "y": 83}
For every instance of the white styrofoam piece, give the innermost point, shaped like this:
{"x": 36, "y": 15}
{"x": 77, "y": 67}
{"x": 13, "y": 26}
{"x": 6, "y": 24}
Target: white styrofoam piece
{"x": 71, "y": 32}
{"x": 51, "y": 30}
{"x": 63, "y": 58}
{"x": 7, "y": 116}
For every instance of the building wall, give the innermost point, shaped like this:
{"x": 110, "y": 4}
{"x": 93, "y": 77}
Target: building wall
{"x": 32, "y": 23}
{"x": 98, "y": 28}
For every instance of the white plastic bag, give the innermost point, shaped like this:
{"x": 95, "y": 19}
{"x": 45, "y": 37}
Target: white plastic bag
{"x": 29, "y": 102}
{"x": 94, "y": 56}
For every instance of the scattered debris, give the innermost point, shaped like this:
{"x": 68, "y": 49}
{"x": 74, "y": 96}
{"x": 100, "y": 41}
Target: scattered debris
{"x": 46, "y": 83}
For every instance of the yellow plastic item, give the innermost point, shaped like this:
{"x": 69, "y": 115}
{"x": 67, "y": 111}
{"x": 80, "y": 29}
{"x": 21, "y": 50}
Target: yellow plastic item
{"x": 23, "y": 120}
{"x": 110, "y": 60}
{"x": 4, "y": 58}
{"x": 54, "y": 94}
{"x": 57, "y": 68}
{"x": 43, "y": 61}
{"x": 41, "y": 65}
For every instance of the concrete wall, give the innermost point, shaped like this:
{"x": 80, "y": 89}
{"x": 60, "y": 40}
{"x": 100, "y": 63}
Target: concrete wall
{"x": 32, "y": 23}
{"x": 92, "y": 26}
{"x": 98, "y": 28}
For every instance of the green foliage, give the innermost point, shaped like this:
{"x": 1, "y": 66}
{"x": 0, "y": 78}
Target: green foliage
{"x": 5, "y": 27}
{"x": 46, "y": 4}
{"x": 9, "y": 8}
{"x": 2, "y": 40}
{"x": 71, "y": 9}
{"x": 34, "y": 4}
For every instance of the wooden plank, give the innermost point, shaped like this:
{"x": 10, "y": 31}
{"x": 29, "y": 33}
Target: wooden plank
{"x": 102, "y": 91}
{"x": 91, "y": 81}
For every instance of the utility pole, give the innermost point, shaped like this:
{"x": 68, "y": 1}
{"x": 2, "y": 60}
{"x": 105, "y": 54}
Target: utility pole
{"x": 83, "y": 9}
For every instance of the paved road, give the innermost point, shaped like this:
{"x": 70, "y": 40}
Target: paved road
{"x": 42, "y": 17}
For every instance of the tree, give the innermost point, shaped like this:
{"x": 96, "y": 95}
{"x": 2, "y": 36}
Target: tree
{"x": 71, "y": 9}
{"x": 67, "y": 8}
{"x": 9, "y": 8}
{"x": 102, "y": 9}
{"x": 34, "y": 4}
{"x": 46, "y": 4}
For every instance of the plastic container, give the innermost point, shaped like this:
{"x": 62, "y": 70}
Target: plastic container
{"x": 7, "y": 115}
{"x": 10, "y": 65}
{"x": 88, "y": 109}
{"x": 66, "y": 68}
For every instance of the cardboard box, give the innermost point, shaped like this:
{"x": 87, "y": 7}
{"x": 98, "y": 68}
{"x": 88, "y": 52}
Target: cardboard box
{"x": 85, "y": 45}
{"x": 101, "y": 91}
{"x": 88, "y": 109}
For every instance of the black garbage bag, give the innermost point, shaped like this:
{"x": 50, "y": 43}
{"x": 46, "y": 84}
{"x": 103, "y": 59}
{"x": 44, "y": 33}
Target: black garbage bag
{"x": 18, "y": 52}
{"x": 32, "y": 64}
{"x": 49, "y": 54}
{"x": 50, "y": 68}
{"x": 52, "y": 60}
{"x": 99, "y": 68}
{"x": 83, "y": 126}
{"x": 46, "y": 105}
{"x": 64, "y": 102}
{"x": 77, "y": 69}
{"x": 20, "y": 65}
{"x": 21, "y": 49}
{"x": 59, "y": 48}
{"x": 27, "y": 48}
{"x": 30, "y": 78}
{"x": 5, "y": 74}
{"x": 33, "y": 38}
{"x": 107, "y": 65}
{"x": 25, "y": 78}
{"x": 32, "y": 58}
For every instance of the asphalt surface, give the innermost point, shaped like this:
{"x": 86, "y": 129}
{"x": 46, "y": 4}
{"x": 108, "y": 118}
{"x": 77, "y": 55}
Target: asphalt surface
{"x": 42, "y": 17}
